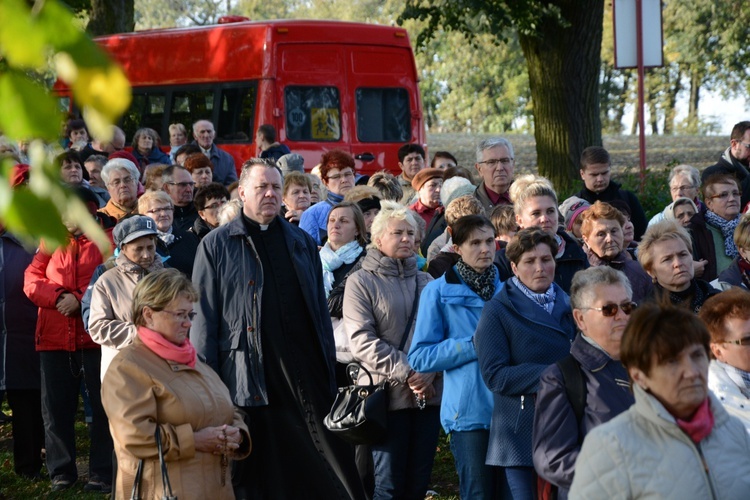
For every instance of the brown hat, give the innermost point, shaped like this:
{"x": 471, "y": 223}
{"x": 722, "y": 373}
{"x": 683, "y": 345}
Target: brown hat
{"x": 425, "y": 175}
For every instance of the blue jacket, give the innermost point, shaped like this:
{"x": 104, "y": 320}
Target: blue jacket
{"x": 156, "y": 155}
{"x": 226, "y": 330}
{"x": 314, "y": 220}
{"x": 443, "y": 342}
{"x": 557, "y": 435}
{"x": 515, "y": 341}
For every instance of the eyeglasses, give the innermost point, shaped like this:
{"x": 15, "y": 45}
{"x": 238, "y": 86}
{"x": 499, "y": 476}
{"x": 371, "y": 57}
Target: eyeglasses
{"x": 346, "y": 175}
{"x": 214, "y": 206}
{"x": 182, "y": 184}
{"x": 497, "y": 161}
{"x": 744, "y": 341}
{"x": 163, "y": 210}
{"x": 117, "y": 182}
{"x": 677, "y": 189}
{"x": 609, "y": 310}
{"x": 725, "y": 195}
{"x": 747, "y": 146}
{"x": 181, "y": 316}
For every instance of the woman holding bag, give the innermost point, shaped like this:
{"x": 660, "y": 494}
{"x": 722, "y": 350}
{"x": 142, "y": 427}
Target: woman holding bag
{"x": 157, "y": 383}
{"x": 380, "y": 303}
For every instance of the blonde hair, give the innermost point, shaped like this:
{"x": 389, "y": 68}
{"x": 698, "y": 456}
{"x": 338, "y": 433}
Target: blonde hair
{"x": 158, "y": 289}
{"x": 390, "y": 210}
{"x": 229, "y": 211}
{"x": 462, "y": 206}
{"x": 530, "y": 186}
{"x": 742, "y": 233}
{"x": 661, "y": 231}
{"x": 358, "y": 193}
{"x": 150, "y": 196}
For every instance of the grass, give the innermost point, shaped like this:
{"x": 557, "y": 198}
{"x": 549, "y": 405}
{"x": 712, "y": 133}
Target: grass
{"x": 13, "y": 487}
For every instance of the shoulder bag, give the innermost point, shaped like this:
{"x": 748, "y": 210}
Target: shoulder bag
{"x": 167, "y": 493}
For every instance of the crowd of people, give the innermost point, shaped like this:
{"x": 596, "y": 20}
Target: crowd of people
{"x": 568, "y": 348}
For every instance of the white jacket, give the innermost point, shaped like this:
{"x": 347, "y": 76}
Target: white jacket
{"x": 724, "y": 388}
{"x": 642, "y": 453}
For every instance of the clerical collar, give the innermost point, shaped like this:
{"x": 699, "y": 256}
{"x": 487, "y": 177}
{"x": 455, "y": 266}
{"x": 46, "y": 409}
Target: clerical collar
{"x": 251, "y": 224}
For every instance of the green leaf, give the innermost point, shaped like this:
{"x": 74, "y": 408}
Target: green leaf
{"x": 30, "y": 214}
{"x": 22, "y": 44}
{"x": 27, "y": 110}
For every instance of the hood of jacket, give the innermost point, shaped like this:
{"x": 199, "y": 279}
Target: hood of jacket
{"x": 378, "y": 263}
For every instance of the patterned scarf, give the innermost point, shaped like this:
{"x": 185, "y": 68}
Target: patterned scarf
{"x": 738, "y": 376}
{"x": 483, "y": 284}
{"x": 545, "y": 300}
{"x": 332, "y": 260}
{"x": 727, "y": 231}
{"x": 694, "y": 294}
{"x": 166, "y": 237}
{"x": 560, "y": 246}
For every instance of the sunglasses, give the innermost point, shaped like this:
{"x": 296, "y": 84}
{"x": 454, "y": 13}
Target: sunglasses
{"x": 609, "y": 310}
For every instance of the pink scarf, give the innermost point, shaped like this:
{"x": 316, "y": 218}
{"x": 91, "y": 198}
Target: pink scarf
{"x": 183, "y": 354}
{"x": 700, "y": 425}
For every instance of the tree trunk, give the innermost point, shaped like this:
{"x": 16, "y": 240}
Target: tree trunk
{"x": 111, "y": 16}
{"x": 670, "y": 107}
{"x": 653, "y": 114}
{"x": 696, "y": 78}
{"x": 563, "y": 65}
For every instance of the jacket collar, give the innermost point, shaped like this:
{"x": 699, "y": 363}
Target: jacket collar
{"x": 652, "y": 410}
{"x": 590, "y": 357}
{"x": 375, "y": 261}
{"x": 514, "y": 298}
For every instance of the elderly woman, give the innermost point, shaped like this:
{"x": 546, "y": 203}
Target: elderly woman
{"x": 713, "y": 229}
{"x": 296, "y": 196}
{"x": 177, "y": 248}
{"x": 443, "y": 341}
{"x": 684, "y": 182}
{"x": 603, "y": 238}
{"x": 535, "y": 204}
{"x": 158, "y": 385}
{"x": 146, "y": 148}
{"x": 380, "y": 304}
{"x": 337, "y": 173}
{"x": 522, "y": 330}
{"x": 427, "y": 185}
{"x": 727, "y": 317}
{"x": 677, "y": 440}
{"x": 664, "y": 253}
{"x": 110, "y": 321}
{"x": 121, "y": 178}
{"x": 208, "y": 201}
{"x": 567, "y": 408}
{"x": 177, "y": 139}
{"x": 738, "y": 272}
{"x": 201, "y": 169}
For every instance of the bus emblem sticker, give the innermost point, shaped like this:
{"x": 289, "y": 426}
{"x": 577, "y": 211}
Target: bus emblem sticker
{"x": 296, "y": 117}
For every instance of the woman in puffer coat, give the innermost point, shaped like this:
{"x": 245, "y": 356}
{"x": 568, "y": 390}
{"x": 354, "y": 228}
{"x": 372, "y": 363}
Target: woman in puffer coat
{"x": 380, "y": 303}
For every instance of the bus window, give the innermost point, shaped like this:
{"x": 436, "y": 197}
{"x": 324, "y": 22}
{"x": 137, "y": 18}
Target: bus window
{"x": 189, "y": 106}
{"x": 313, "y": 114}
{"x": 236, "y": 114}
{"x": 383, "y": 115}
{"x": 146, "y": 110}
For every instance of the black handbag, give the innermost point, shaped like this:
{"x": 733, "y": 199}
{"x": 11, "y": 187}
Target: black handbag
{"x": 359, "y": 414}
{"x": 167, "y": 493}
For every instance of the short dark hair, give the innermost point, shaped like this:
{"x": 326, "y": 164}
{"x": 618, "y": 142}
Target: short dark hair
{"x": 68, "y": 156}
{"x": 213, "y": 190}
{"x": 526, "y": 240}
{"x": 268, "y": 132}
{"x": 462, "y": 228}
{"x": 100, "y": 160}
{"x": 188, "y": 149}
{"x": 730, "y": 304}
{"x": 408, "y": 149}
{"x": 593, "y": 155}
{"x": 457, "y": 171}
{"x": 168, "y": 172}
{"x": 78, "y": 124}
{"x": 442, "y": 154}
{"x": 657, "y": 332}
{"x": 739, "y": 130}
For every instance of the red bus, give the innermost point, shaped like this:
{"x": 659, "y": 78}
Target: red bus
{"x": 322, "y": 84}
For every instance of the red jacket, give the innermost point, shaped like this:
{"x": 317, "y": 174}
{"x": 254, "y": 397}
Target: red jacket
{"x": 46, "y": 278}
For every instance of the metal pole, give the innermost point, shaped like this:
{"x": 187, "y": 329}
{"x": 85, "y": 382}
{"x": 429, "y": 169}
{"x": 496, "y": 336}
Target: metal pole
{"x": 641, "y": 76}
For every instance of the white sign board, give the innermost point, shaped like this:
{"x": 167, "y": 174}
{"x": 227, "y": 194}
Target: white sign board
{"x": 626, "y": 53}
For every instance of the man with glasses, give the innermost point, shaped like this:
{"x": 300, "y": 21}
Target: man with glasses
{"x": 727, "y": 316}
{"x": 225, "y": 171}
{"x": 495, "y": 164}
{"x": 713, "y": 229}
{"x": 179, "y": 185}
{"x": 598, "y": 186}
{"x": 121, "y": 178}
{"x": 735, "y": 159}
{"x": 411, "y": 159}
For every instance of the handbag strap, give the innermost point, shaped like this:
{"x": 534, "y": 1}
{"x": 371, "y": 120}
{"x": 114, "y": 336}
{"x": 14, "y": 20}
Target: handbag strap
{"x": 411, "y": 316}
{"x": 164, "y": 474}
{"x": 135, "y": 493}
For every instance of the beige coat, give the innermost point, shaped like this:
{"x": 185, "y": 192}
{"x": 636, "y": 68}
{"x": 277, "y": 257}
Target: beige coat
{"x": 111, "y": 301}
{"x": 140, "y": 390}
{"x": 377, "y": 303}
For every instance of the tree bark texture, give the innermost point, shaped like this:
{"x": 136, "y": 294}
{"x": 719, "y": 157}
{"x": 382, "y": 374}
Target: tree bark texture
{"x": 111, "y": 16}
{"x": 563, "y": 64}
{"x": 696, "y": 79}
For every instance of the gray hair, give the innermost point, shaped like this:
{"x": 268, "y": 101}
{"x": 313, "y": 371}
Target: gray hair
{"x": 120, "y": 164}
{"x": 582, "y": 289}
{"x": 689, "y": 170}
{"x": 252, "y": 162}
{"x": 491, "y": 143}
{"x": 390, "y": 210}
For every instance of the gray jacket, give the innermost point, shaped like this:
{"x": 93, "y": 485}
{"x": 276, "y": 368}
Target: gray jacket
{"x": 226, "y": 330}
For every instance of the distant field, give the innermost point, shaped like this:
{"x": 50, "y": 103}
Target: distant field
{"x": 699, "y": 151}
